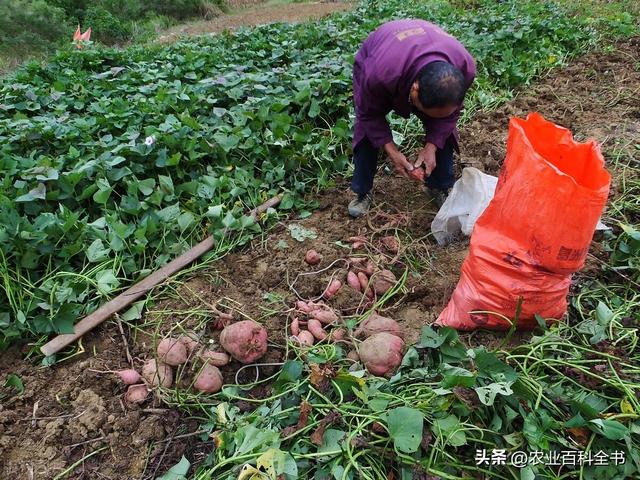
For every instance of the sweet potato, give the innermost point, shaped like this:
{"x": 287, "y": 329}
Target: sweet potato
{"x": 325, "y": 315}
{"x": 381, "y": 353}
{"x": 312, "y": 257}
{"x": 221, "y": 320}
{"x": 376, "y": 324}
{"x": 364, "y": 281}
{"x": 356, "y": 261}
{"x": 136, "y": 393}
{"x": 390, "y": 243}
{"x": 353, "y": 355}
{"x": 303, "y": 306}
{"x": 295, "y": 326}
{"x": 157, "y": 373}
{"x": 305, "y": 338}
{"x": 337, "y": 334}
{"x": 209, "y": 379}
{"x": 418, "y": 174}
{"x": 369, "y": 268}
{"x": 362, "y": 264}
{"x": 129, "y": 376}
{"x": 217, "y": 359}
{"x": 332, "y": 289}
{"x": 357, "y": 239}
{"x": 189, "y": 343}
{"x": 172, "y": 352}
{"x": 377, "y": 427}
{"x": 315, "y": 327}
{"x": 384, "y": 281}
{"x": 353, "y": 282}
{"x": 246, "y": 341}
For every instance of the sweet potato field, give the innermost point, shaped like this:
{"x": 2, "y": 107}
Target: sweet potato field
{"x": 267, "y": 357}
{"x": 116, "y": 161}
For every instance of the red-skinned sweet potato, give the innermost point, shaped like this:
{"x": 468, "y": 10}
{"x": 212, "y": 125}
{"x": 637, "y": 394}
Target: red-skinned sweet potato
{"x": 364, "y": 265}
{"x": 136, "y": 393}
{"x": 390, "y": 243}
{"x": 303, "y": 306}
{"x": 295, "y": 326}
{"x": 357, "y": 239}
{"x": 384, "y": 281}
{"x": 312, "y": 257}
{"x": 217, "y": 359}
{"x": 376, "y": 324}
{"x": 353, "y": 282}
{"x": 209, "y": 379}
{"x": 172, "y": 352}
{"x": 369, "y": 268}
{"x": 129, "y": 376}
{"x": 418, "y": 174}
{"x": 305, "y": 338}
{"x": 157, "y": 373}
{"x": 332, "y": 289}
{"x": 315, "y": 327}
{"x": 381, "y": 353}
{"x": 364, "y": 281}
{"x": 337, "y": 334}
{"x": 325, "y": 315}
{"x": 246, "y": 341}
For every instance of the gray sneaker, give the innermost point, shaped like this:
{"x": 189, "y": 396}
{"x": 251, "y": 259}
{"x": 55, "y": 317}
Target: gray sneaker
{"x": 360, "y": 205}
{"x": 438, "y": 196}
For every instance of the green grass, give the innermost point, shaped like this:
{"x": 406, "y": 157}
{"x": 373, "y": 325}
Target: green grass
{"x": 612, "y": 19}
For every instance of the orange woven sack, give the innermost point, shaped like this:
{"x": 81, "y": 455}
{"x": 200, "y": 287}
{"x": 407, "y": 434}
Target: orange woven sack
{"x": 534, "y": 233}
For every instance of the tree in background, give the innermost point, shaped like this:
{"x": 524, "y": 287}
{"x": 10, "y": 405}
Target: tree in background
{"x": 29, "y": 26}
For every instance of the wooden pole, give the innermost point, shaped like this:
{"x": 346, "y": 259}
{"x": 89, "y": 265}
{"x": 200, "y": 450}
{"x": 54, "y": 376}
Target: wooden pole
{"x": 139, "y": 289}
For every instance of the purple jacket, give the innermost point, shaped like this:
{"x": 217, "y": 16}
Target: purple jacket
{"x": 386, "y": 66}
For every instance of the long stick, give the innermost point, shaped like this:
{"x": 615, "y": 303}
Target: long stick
{"x": 139, "y": 289}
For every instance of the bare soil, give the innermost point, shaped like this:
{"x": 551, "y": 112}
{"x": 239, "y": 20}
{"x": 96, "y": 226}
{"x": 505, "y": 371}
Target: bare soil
{"x": 256, "y": 14}
{"x": 69, "y": 411}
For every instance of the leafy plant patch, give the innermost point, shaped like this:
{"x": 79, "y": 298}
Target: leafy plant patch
{"x": 441, "y": 413}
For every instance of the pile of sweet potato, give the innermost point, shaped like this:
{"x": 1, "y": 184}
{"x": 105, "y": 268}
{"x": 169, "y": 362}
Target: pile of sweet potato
{"x": 245, "y": 341}
{"x": 377, "y": 342}
{"x": 382, "y": 346}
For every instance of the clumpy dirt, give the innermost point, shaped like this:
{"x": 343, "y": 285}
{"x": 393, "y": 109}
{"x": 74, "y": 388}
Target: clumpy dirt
{"x": 70, "y": 411}
{"x": 256, "y": 15}
{"x": 596, "y": 96}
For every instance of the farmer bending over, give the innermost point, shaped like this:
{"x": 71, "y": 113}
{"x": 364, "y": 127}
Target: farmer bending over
{"x": 408, "y": 66}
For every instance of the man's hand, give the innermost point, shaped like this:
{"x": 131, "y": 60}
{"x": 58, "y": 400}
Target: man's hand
{"x": 427, "y": 157}
{"x": 400, "y": 163}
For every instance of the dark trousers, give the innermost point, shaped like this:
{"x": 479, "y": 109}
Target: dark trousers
{"x": 365, "y": 159}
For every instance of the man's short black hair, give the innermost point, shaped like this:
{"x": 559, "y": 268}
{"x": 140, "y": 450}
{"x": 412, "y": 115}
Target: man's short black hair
{"x": 441, "y": 85}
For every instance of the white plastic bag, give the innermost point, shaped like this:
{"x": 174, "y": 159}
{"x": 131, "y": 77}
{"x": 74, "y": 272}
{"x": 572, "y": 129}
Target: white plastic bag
{"x": 469, "y": 197}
